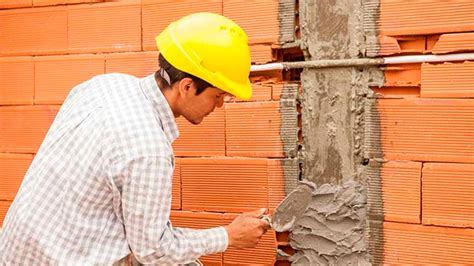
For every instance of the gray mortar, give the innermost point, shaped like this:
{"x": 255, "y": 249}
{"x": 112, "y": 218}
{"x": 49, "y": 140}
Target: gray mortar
{"x": 337, "y": 229}
{"x": 292, "y": 207}
{"x": 371, "y": 32}
{"x": 291, "y": 173}
{"x": 289, "y": 134}
{"x": 286, "y": 19}
{"x": 328, "y": 224}
{"x": 289, "y": 120}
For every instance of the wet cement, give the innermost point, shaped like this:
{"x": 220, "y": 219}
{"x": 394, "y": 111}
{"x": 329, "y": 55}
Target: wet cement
{"x": 327, "y": 223}
{"x": 335, "y": 229}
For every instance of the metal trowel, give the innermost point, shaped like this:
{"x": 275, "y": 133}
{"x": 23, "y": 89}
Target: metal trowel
{"x": 291, "y": 207}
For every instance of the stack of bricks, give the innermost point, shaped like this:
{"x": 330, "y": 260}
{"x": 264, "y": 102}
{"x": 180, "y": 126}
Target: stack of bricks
{"x": 425, "y": 114}
{"x": 235, "y": 161}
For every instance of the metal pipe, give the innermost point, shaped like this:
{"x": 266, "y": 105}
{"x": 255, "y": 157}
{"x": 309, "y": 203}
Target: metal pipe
{"x": 364, "y": 61}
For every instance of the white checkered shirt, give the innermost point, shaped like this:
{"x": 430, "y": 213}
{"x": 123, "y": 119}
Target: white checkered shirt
{"x": 99, "y": 187}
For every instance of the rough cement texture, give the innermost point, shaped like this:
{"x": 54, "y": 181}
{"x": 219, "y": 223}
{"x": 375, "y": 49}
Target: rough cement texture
{"x": 286, "y": 19}
{"x": 289, "y": 120}
{"x": 371, "y": 32}
{"x": 292, "y": 207}
{"x": 289, "y": 135}
{"x": 336, "y": 231}
{"x": 332, "y": 228}
{"x": 291, "y": 173}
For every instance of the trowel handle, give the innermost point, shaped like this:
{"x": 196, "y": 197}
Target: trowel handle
{"x": 267, "y": 219}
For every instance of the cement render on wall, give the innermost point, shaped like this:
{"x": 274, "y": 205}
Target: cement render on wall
{"x": 333, "y": 125}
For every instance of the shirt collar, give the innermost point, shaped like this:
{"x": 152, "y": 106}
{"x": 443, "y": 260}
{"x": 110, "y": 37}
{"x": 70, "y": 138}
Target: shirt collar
{"x": 161, "y": 105}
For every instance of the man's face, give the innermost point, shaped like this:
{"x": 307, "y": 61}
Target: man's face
{"x": 195, "y": 107}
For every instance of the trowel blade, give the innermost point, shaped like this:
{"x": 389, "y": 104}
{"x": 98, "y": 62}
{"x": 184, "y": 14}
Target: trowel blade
{"x": 292, "y": 207}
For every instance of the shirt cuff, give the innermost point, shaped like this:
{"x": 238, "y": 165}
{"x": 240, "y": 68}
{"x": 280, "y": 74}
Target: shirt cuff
{"x": 218, "y": 240}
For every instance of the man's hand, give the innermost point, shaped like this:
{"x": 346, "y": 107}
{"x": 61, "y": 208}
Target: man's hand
{"x": 247, "y": 229}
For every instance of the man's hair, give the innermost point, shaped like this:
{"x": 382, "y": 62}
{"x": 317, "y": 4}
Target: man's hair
{"x": 176, "y": 75}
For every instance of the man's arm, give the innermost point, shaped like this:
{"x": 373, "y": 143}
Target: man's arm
{"x": 146, "y": 202}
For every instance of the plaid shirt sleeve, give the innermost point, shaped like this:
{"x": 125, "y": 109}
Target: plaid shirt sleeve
{"x": 145, "y": 183}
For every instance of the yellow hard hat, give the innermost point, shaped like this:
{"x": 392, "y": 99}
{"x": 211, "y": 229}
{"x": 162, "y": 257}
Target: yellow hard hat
{"x": 210, "y": 47}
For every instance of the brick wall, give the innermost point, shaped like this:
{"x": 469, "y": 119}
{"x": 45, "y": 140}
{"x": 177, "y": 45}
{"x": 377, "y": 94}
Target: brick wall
{"x": 234, "y": 161}
{"x": 426, "y": 118}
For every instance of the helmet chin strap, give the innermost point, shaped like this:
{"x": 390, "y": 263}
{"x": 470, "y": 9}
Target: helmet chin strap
{"x": 165, "y": 76}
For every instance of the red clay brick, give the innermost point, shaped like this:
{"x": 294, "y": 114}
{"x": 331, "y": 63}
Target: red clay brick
{"x": 401, "y": 185}
{"x": 260, "y": 92}
{"x": 427, "y": 129}
{"x": 263, "y": 254}
{"x": 403, "y": 75}
{"x": 455, "y": 42}
{"x": 285, "y": 90}
{"x": 448, "y": 80}
{"x": 24, "y": 127}
{"x": 448, "y": 197}
{"x": 15, "y": 3}
{"x": 13, "y": 168}
{"x": 200, "y": 220}
{"x": 428, "y": 245}
{"x": 397, "y": 92}
{"x": 135, "y": 64}
{"x": 157, "y": 14}
{"x": 176, "y": 193}
{"x": 16, "y": 80}
{"x": 205, "y": 139}
{"x": 224, "y": 184}
{"x": 4, "y": 205}
{"x": 42, "y": 31}
{"x": 62, "y": 2}
{"x": 401, "y": 45}
{"x": 253, "y": 129}
{"x": 388, "y": 46}
{"x": 425, "y": 17}
{"x": 259, "y": 19}
{"x": 55, "y": 76}
{"x": 104, "y": 27}
{"x": 261, "y": 54}
{"x": 431, "y": 40}
{"x": 276, "y": 183}
{"x": 412, "y": 44}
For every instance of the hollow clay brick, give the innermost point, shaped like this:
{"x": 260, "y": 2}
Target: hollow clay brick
{"x": 402, "y": 75}
{"x": 16, "y": 81}
{"x": 253, "y": 129}
{"x": 55, "y": 76}
{"x": 15, "y": 3}
{"x": 438, "y": 130}
{"x": 401, "y": 191}
{"x": 448, "y": 197}
{"x": 224, "y": 184}
{"x": 425, "y": 17}
{"x": 24, "y": 127}
{"x": 13, "y": 168}
{"x": 448, "y": 80}
{"x": 454, "y": 42}
{"x": 205, "y": 139}
{"x": 429, "y": 245}
{"x": 104, "y": 27}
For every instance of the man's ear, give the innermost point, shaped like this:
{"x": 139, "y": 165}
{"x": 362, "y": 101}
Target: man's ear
{"x": 185, "y": 87}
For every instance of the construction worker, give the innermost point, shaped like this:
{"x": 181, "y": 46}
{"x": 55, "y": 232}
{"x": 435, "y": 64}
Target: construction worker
{"x": 99, "y": 187}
